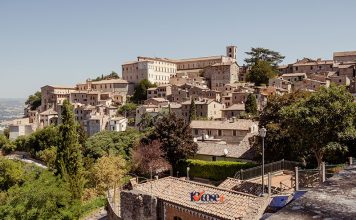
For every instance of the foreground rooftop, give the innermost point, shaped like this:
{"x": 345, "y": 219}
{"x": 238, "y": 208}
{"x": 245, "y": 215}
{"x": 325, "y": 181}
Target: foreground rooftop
{"x": 236, "y": 205}
{"x": 334, "y": 199}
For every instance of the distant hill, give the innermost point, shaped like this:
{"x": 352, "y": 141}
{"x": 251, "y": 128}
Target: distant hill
{"x": 11, "y": 108}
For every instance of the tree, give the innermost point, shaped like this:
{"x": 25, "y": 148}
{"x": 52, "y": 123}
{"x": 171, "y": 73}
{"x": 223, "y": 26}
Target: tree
{"x": 48, "y": 156}
{"x": 69, "y": 156}
{"x": 148, "y": 157}
{"x": 262, "y": 54}
{"x": 147, "y": 122}
{"x": 45, "y": 197}
{"x": 34, "y": 101}
{"x": 175, "y": 136}
{"x": 192, "y": 111}
{"x": 140, "y": 93}
{"x": 108, "y": 172}
{"x": 40, "y": 140}
{"x": 251, "y": 104}
{"x": 280, "y": 142}
{"x": 261, "y": 72}
{"x": 128, "y": 110}
{"x": 321, "y": 119}
{"x": 111, "y": 143}
{"x": 11, "y": 173}
{"x": 112, "y": 75}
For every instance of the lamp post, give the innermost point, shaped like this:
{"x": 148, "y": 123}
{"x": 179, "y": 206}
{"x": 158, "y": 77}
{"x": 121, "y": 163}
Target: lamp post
{"x": 188, "y": 168}
{"x": 263, "y": 132}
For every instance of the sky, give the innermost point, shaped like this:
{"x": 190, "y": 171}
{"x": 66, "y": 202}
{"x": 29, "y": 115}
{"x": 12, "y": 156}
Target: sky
{"x": 66, "y": 42}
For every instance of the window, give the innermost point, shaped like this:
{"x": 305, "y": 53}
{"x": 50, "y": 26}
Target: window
{"x": 214, "y": 158}
{"x": 234, "y": 133}
{"x": 177, "y": 218}
{"x": 219, "y": 133}
{"x": 196, "y": 131}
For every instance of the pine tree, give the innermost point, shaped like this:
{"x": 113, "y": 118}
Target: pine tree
{"x": 251, "y": 104}
{"x": 69, "y": 158}
{"x": 193, "y": 111}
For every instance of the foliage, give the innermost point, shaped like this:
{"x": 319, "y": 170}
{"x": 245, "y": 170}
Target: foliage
{"x": 6, "y": 132}
{"x": 34, "y": 101}
{"x": 6, "y": 145}
{"x": 69, "y": 156}
{"x": 107, "y": 173}
{"x": 39, "y": 140}
{"x": 175, "y": 136}
{"x": 92, "y": 205}
{"x": 111, "y": 143}
{"x": 214, "y": 170}
{"x": 112, "y": 75}
{"x": 140, "y": 93}
{"x": 48, "y": 156}
{"x": 263, "y": 54}
{"x": 251, "y": 104}
{"x": 146, "y": 122}
{"x": 11, "y": 173}
{"x": 261, "y": 72}
{"x": 192, "y": 111}
{"x": 321, "y": 119}
{"x": 149, "y": 157}
{"x": 280, "y": 143}
{"x": 129, "y": 109}
{"x": 44, "y": 197}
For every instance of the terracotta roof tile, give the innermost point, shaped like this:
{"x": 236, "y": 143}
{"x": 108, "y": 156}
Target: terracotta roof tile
{"x": 235, "y": 206}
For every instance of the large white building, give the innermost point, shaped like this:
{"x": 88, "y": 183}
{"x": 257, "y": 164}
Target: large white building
{"x": 156, "y": 70}
{"x": 160, "y": 70}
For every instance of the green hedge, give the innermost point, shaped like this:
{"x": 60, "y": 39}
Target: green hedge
{"x": 213, "y": 170}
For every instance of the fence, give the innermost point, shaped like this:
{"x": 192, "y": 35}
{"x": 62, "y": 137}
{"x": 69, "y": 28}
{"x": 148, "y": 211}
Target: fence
{"x": 269, "y": 168}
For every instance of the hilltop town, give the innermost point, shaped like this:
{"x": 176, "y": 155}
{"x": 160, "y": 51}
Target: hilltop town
{"x": 168, "y": 135}
{"x": 216, "y": 84}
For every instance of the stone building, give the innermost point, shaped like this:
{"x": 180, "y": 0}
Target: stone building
{"x": 221, "y": 74}
{"x": 162, "y": 91}
{"x": 160, "y": 70}
{"x": 52, "y": 96}
{"x": 234, "y": 110}
{"x": 346, "y": 56}
{"x": 205, "y": 108}
{"x": 230, "y": 131}
{"x": 156, "y": 70}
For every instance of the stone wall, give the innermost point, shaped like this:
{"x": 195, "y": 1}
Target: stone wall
{"x": 137, "y": 206}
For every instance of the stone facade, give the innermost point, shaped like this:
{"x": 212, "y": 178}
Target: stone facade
{"x": 136, "y": 205}
{"x": 221, "y": 74}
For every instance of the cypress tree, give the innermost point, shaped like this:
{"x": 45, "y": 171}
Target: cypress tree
{"x": 251, "y": 104}
{"x": 69, "y": 157}
{"x": 193, "y": 111}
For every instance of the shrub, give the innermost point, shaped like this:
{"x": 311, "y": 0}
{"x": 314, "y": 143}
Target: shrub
{"x": 213, "y": 170}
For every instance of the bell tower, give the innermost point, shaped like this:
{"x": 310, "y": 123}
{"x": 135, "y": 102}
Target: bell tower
{"x": 231, "y": 51}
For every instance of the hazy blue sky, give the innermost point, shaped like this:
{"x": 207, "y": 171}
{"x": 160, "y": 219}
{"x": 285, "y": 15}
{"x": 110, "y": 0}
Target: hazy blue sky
{"x": 65, "y": 42}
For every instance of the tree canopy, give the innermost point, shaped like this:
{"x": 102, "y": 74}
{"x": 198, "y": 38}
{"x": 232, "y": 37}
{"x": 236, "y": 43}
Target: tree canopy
{"x": 175, "y": 136}
{"x": 263, "y": 54}
{"x": 251, "y": 104}
{"x": 112, "y": 75}
{"x": 261, "y": 72}
{"x": 111, "y": 143}
{"x": 34, "y": 101}
{"x": 192, "y": 111}
{"x": 322, "y": 119}
{"x": 140, "y": 93}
